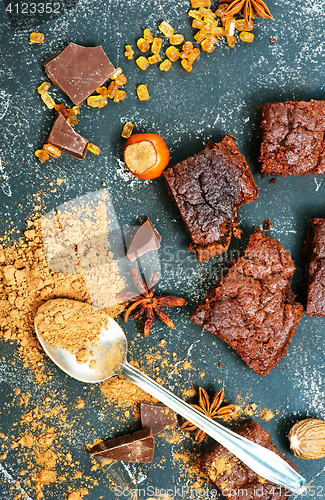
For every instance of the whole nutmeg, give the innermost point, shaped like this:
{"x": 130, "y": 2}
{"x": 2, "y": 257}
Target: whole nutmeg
{"x": 307, "y": 439}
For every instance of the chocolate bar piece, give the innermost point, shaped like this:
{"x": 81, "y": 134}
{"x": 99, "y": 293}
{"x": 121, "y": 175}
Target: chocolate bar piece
{"x": 157, "y": 417}
{"x": 145, "y": 239}
{"x": 79, "y": 71}
{"x": 136, "y": 447}
{"x": 65, "y": 138}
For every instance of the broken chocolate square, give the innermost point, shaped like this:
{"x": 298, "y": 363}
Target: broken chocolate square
{"x": 65, "y": 138}
{"x": 136, "y": 447}
{"x": 79, "y": 71}
{"x": 145, "y": 239}
{"x": 157, "y": 417}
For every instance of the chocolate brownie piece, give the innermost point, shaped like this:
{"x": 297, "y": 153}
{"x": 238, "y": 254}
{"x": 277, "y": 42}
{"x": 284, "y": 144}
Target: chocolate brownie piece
{"x": 293, "y": 138}
{"x": 314, "y": 248}
{"x": 232, "y": 477}
{"x": 253, "y": 309}
{"x": 208, "y": 189}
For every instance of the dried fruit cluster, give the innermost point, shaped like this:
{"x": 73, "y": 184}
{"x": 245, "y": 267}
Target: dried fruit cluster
{"x": 113, "y": 91}
{"x": 222, "y": 23}
{"x": 187, "y": 55}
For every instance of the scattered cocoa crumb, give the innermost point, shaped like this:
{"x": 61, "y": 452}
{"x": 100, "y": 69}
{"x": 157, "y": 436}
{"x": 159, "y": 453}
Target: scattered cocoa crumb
{"x": 272, "y": 39}
{"x": 272, "y": 181}
{"x": 267, "y": 224}
{"x": 266, "y": 415}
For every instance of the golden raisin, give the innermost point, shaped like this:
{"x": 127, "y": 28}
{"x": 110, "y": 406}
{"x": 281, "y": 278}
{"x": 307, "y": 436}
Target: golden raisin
{"x": 117, "y": 72}
{"x": 212, "y": 39}
{"x": 72, "y": 118}
{"x": 43, "y": 87}
{"x": 165, "y": 65}
{"x": 147, "y": 35}
{"x": 76, "y": 110}
{"x": 220, "y": 12}
{"x": 209, "y": 18}
{"x": 187, "y": 47}
{"x": 143, "y": 45}
{"x": 172, "y": 53}
{"x": 207, "y": 46}
{"x": 93, "y": 149}
{"x": 166, "y": 29}
{"x": 200, "y": 3}
{"x": 42, "y": 155}
{"x": 176, "y": 39}
{"x": 121, "y": 79}
{"x": 205, "y": 11}
{"x": 156, "y": 45}
{"x": 47, "y": 99}
{"x": 245, "y": 36}
{"x": 128, "y": 52}
{"x": 193, "y": 55}
{"x": 243, "y": 25}
{"x": 52, "y": 150}
{"x": 200, "y": 36}
{"x": 36, "y": 38}
{"x": 143, "y": 93}
{"x": 127, "y": 130}
{"x": 230, "y": 26}
{"x": 186, "y": 65}
{"x": 195, "y": 14}
{"x": 183, "y": 55}
{"x": 231, "y": 40}
{"x": 112, "y": 89}
{"x": 198, "y": 24}
{"x": 60, "y": 108}
{"x": 142, "y": 62}
{"x": 119, "y": 96}
{"x": 154, "y": 59}
{"x": 218, "y": 31}
{"x": 96, "y": 101}
{"x": 102, "y": 91}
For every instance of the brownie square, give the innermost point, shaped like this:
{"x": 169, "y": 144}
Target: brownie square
{"x": 253, "y": 308}
{"x": 314, "y": 248}
{"x": 208, "y": 189}
{"x": 293, "y": 138}
{"x": 232, "y": 477}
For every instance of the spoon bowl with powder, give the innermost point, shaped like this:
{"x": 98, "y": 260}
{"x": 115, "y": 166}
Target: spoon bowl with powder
{"x": 90, "y": 346}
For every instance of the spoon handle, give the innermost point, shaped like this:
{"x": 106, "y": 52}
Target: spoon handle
{"x": 264, "y": 462}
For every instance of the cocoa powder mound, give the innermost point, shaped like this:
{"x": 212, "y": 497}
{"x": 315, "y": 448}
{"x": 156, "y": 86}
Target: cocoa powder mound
{"x": 26, "y": 282}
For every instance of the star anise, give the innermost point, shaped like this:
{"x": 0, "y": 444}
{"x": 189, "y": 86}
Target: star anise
{"x": 211, "y": 410}
{"x": 148, "y": 305}
{"x": 248, "y": 7}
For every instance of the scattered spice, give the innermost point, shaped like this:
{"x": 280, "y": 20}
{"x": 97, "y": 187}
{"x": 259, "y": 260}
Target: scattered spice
{"x": 211, "y": 410}
{"x": 250, "y": 8}
{"x": 146, "y": 304}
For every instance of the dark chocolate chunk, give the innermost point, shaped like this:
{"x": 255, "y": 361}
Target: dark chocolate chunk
{"x": 145, "y": 239}
{"x": 136, "y": 447}
{"x": 79, "y": 71}
{"x": 65, "y": 138}
{"x": 157, "y": 416}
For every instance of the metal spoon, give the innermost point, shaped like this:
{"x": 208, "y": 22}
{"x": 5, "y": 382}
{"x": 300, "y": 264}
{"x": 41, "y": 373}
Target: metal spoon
{"x": 110, "y": 354}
